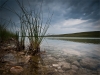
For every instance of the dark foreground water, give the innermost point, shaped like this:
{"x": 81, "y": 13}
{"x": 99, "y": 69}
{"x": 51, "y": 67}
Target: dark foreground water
{"x": 61, "y": 56}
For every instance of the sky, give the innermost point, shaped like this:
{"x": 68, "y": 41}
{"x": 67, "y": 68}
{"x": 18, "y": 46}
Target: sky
{"x": 69, "y": 16}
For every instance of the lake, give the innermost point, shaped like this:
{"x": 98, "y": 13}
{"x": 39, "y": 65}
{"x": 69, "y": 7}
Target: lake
{"x": 61, "y": 56}
{"x": 73, "y": 45}
{"x": 83, "y": 54}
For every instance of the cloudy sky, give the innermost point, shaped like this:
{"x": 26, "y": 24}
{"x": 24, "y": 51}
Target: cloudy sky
{"x": 69, "y": 16}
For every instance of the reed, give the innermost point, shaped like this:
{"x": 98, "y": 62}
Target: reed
{"x": 32, "y": 25}
{"x": 17, "y": 41}
{"x": 22, "y": 34}
{"x": 5, "y": 33}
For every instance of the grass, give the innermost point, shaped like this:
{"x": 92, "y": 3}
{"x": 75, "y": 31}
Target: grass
{"x": 5, "y": 34}
{"x": 81, "y": 40}
{"x": 32, "y": 26}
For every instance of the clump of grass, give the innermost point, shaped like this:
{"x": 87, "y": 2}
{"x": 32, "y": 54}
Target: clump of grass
{"x": 5, "y": 34}
{"x": 22, "y": 35}
{"x": 17, "y": 41}
{"x": 32, "y": 24}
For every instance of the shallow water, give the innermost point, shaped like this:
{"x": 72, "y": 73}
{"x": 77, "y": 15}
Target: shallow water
{"x": 65, "y": 46}
{"x": 62, "y": 57}
{"x": 85, "y": 53}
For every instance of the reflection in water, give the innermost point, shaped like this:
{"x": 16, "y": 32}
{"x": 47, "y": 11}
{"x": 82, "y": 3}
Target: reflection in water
{"x": 77, "y": 39}
{"x": 62, "y": 58}
{"x": 75, "y": 48}
{"x": 35, "y": 66}
{"x": 87, "y": 54}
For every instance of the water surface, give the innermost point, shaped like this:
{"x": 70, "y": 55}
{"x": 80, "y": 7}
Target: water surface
{"x": 76, "y": 46}
{"x": 63, "y": 56}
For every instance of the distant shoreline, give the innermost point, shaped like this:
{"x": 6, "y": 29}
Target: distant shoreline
{"x": 94, "y": 34}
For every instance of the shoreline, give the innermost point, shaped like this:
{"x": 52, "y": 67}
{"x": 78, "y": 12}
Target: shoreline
{"x": 48, "y": 63}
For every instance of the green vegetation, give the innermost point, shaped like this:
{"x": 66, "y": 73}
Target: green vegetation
{"x": 5, "y": 34}
{"x": 31, "y": 26}
{"x": 94, "y": 41}
{"x": 81, "y": 40}
{"x": 81, "y": 34}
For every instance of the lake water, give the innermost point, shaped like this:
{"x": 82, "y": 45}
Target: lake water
{"x": 82, "y": 53}
{"x": 75, "y": 46}
{"x": 62, "y": 56}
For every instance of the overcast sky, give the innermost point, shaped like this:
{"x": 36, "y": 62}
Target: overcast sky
{"x": 69, "y": 16}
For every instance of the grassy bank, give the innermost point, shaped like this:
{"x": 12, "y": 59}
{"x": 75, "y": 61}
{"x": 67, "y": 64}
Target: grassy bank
{"x": 81, "y": 34}
{"x": 6, "y": 34}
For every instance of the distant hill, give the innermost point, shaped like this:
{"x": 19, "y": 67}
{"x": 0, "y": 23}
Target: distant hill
{"x": 80, "y": 34}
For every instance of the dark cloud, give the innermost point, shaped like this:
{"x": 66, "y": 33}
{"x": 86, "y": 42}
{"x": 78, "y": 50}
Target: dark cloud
{"x": 84, "y": 9}
{"x": 63, "y": 10}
